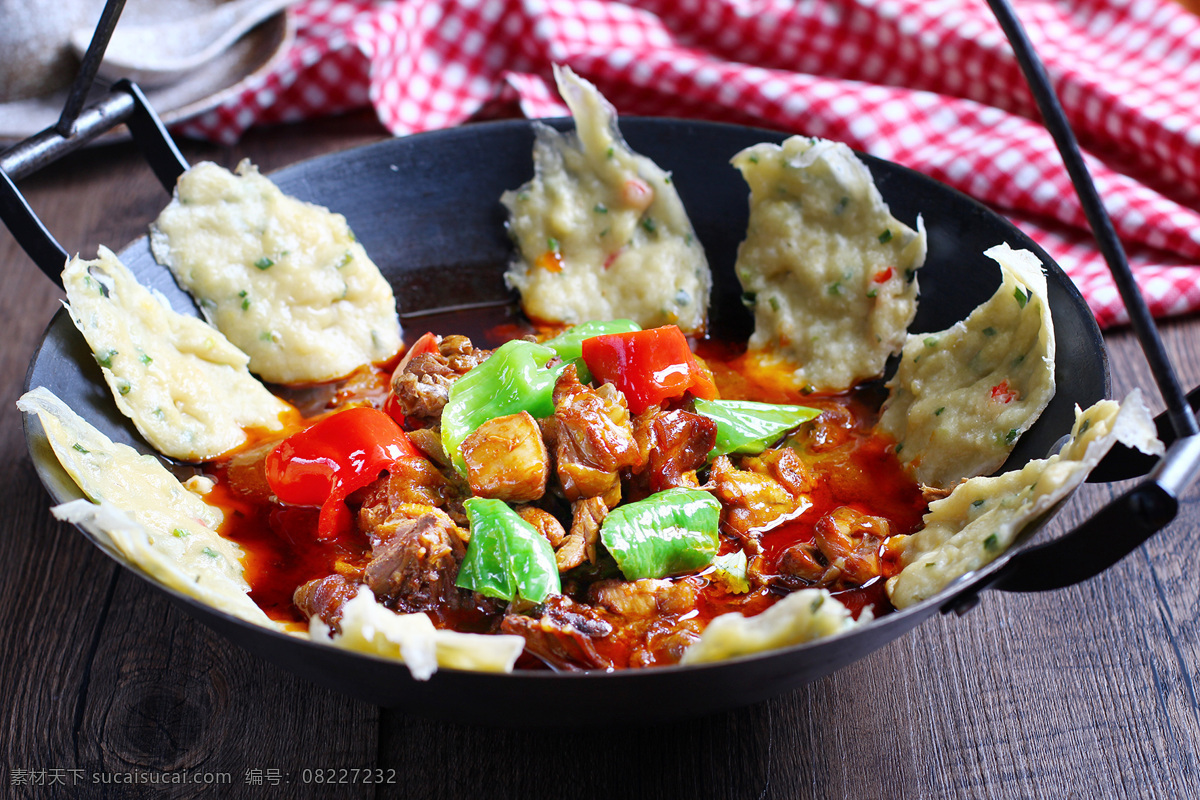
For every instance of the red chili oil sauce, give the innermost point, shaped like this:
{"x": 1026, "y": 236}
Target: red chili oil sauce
{"x": 282, "y": 551}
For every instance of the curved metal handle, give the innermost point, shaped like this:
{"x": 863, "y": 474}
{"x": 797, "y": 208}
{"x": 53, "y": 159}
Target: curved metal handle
{"x": 1125, "y": 463}
{"x": 1111, "y": 533}
{"x": 1127, "y": 522}
{"x": 1105, "y": 538}
{"x": 126, "y": 104}
{"x": 76, "y": 127}
{"x": 1055, "y": 119}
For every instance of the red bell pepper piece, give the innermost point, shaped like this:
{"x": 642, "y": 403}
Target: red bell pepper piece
{"x": 324, "y": 464}
{"x": 1002, "y": 394}
{"x": 427, "y": 343}
{"x": 648, "y": 366}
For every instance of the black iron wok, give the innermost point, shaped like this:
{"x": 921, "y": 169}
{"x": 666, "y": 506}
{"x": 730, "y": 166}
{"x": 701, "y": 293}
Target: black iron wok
{"x": 426, "y": 208}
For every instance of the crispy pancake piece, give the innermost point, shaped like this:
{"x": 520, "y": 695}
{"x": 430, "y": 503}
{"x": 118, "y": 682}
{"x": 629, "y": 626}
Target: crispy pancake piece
{"x": 601, "y": 232}
{"x": 800, "y": 617}
{"x": 983, "y": 516}
{"x": 369, "y": 627}
{"x": 285, "y": 280}
{"x": 829, "y": 273}
{"x": 962, "y": 397}
{"x": 183, "y": 384}
{"x": 139, "y": 512}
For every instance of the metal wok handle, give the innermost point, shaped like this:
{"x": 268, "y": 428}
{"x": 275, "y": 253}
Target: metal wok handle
{"x": 1123, "y": 463}
{"x": 1112, "y": 532}
{"x": 1055, "y": 119}
{"x": 77, "y": 126}
{"x": 1129, "y": 520}
{"x": 1105, "y": 538}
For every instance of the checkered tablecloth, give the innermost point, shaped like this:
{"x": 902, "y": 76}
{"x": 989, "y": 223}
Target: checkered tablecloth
{"x": 931, "y": 84}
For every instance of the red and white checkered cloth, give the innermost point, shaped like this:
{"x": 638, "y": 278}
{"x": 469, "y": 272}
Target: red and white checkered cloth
{"x": 931, "y": 84}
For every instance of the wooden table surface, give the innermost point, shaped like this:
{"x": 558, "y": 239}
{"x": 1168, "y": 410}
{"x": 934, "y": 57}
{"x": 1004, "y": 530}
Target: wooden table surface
{"x": 1086, "y": 692}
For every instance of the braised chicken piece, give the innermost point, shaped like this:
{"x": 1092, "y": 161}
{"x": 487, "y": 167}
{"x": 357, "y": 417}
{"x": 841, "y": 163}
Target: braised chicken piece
{"x": 592, "y": 438}
{"x": 750, "y": 500}
{"x": 507, "y": 459}
{"x": 850, "y": 541}
{"x": 623, "y": 624}
{"x": 565, "y": 634}
{"x": 784, "y": 466}
{"x": 414, "y": 562}
{"x": 834, "y": 428}
{"x": 844, "y": 551}
{"x": 570, "y": 550}
{"x": 324, "y": 598}
{"x": 646, "y": 598}
{"x": 544, "y": 523}
{"x": 803, "y": 561}
{"x": 421, "y": 384}
{"x": 674, "y": 445}
{"x": 411, "y": 481}
{"x": 653, "y": 616}
{"x": 580, "y": 544}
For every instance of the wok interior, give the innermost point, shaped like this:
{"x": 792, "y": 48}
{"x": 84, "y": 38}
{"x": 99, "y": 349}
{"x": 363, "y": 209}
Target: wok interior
{"x": 426, "y": 208}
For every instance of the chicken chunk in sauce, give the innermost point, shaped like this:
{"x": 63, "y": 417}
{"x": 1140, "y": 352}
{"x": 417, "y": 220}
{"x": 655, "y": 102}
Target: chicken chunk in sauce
{"x": 674, "y": 444}
{"x": 579, "y": 545}
{"x": 421, "y": 383}
{"x": 415, "y": 561}
{"x": 324, "y": 597}
{"x": 845, "y": 550}
{"x": 563, "y": 636}
{"x": 592, "y": 437}
{"x": 749, "y": 499}
{"x": 507, "y": 460}
{"x": 621, "y": 624}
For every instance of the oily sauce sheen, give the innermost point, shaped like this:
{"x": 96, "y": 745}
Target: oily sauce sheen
{"x": 855, "y": 468}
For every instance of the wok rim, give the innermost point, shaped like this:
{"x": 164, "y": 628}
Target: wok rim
{"x": 899, "y": 618}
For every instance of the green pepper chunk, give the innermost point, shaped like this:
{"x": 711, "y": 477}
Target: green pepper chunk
{"x": 506, "y": 557}
{"x": 569, "y": 343}
{"x": 668, "y": 533}
{"x": 747, "y": 427}
{"x": 511, "y": 380}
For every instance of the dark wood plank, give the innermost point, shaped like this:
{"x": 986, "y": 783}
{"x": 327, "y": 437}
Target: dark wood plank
{"x": 167, "y": 695}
